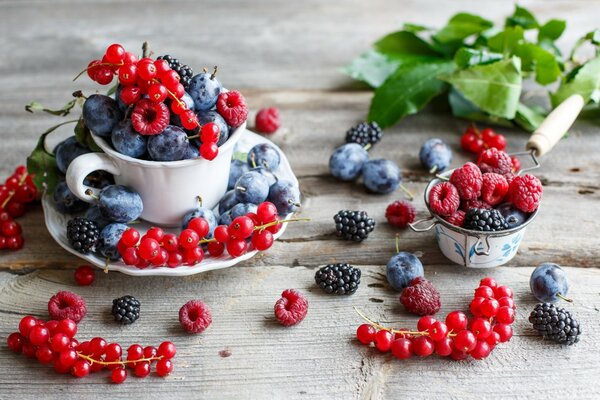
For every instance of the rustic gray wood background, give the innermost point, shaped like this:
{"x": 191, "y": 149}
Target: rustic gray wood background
{"x": 288, "y": 54}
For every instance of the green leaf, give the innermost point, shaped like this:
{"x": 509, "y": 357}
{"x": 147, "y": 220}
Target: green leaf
{"x": 593, "y": 37}
{"x": 61, "y": 112}
{"x": 528, "y": 118}
{"x": 112, "y": 90}
{"x": 586, "y": 82}
{"x": 408, "y": 90}
{"x": 461, "y": 26}
{"x": 507, "y": 41}
{"x": 465, "y": 57}
{"x": 404, "y": 42}
{"x": 494, "y": 88}
{"x": 371, "y": 67}
{"x": 523, "y": 18}
{"x": 552, "y": 29}
{"x": 414, "y": 28}
{"x": 544, "y": 63}
{"x": 463, "y": 108}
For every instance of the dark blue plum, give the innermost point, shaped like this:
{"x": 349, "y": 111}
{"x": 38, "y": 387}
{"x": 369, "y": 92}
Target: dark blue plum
{"x": 286, "y": 197}
{"x": 225, "y": 218}
{"x": 100, "y": 114}
{"x": 122, "y": 106}
{"x": 191, "y": 152}
{"x": 109, "y": 239}
{"x": 94, "y": 214}
{"x": 237, "y": 169}
{"x": 549, "y": 283}
{"x": 264, "y": 155}
{"x": 68, "y": 150}
{"x": 252, "y": 187}
{"x": 347, "y": 161}
{"x": 227, "y": 202}
{"x": 512, "y": 215}
{"x": 119, "y": 203}
{"x": 381, "y": 176}
{"x": 435, "y": 155}
{"x": 127, "y": 141}
{"x": 202, "y": 212}
{"x": 169, "y": 145}
{"x": 271, "y": 178}
{"x": 403, "y": 268}
{"x": 204, "y": 117}
{"x": 242, "y": 209}
{"x": 65, "y": 201}
{"x": 204, "y": 89}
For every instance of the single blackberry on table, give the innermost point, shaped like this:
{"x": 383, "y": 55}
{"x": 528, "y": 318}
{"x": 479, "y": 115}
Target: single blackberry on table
{"x": 364, "y": 133}
{"x": 341, "y": 278}
{"x": 353, "y": 225}
{"x": 126, "y": 309}
{"x": 480, "y": 219}
{"x": 82, "y": 234}
{"x": 555, "y": 323}
{"x": 185, "y": 72}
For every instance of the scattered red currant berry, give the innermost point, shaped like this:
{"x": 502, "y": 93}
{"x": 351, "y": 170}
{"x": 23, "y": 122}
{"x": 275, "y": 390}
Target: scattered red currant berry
{"x": 365, "y": 334}
{"x": 164, "y": 367}
{"x": 84, "y": 275}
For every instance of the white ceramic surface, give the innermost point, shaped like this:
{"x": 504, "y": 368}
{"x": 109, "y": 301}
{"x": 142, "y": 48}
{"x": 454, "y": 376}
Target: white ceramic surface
{"x": 168, "y": 189}
{"x": 57, "y": 226}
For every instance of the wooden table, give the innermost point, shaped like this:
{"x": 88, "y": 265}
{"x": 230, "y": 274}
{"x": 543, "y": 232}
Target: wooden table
{"x": 288, "y": 54}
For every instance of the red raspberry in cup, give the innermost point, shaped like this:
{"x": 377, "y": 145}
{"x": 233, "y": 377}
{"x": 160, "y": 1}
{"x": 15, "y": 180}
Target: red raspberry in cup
{"x": 525, "y": 192}
{"x": 444, "y": 199}
{"x": 494, "y": 188}
{"x": 494, "y": 160}
{"x": 467, "y": 180}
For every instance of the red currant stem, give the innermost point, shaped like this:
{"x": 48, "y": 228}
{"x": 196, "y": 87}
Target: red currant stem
{"x": 560, "y": 296}
{"x": 408, "y": 192}
{"x": 392, "y": 330}
{"x": 96, "y": 66}
{"x": 13, "y": 192}
{"x": 277, "y": 222}
{"x": 196, "y": 136}
{"x": 214, "y": 74}
{"x": 442, "y": 178}
{"x": 122, "y": 362}
{"x": 433, "y": 169}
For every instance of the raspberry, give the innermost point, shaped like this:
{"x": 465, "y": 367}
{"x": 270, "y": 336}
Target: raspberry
{"x": 232, "y": 107}
{"x": 468, "y": 204}
{"x": 458, "y": 218}
{"x": 525, "y": 192}
{"x": 443, "y": 199}
{"x": 467, "y": 180}
{"x": 291, "y": 308}
{"x": 150, "y": 118}
{"x": 516, "y": 164}
{"x": 400, "y": 213}
{"x": 195, "y": 316}
{"x": 494, "y": 160}
{"x": 494, "y": 188}
{"x": 421, "y": 297}
{"x": 267, "y": 120}
{"x": 67, "y": 305}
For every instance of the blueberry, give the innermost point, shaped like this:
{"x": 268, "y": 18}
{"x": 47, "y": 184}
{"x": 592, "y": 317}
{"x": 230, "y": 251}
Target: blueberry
{"x": 202, "y": 212}
{"x": 347, "y": 161}
{"x": 435, "y": 155}
{"x": 271, "y": 178}
{"x": 109, "y": 239}
{"x": 204, "y": 117}
{"x": 227, "y": 202}
{"x": 549, "y": 283}
{"x": 381, "y": 176}
{"x": 94, "y": 214}
{"x": 242, "y": 209}
{"x": 191, "y": 152}
{"x": 204, "y": 89}
{"x": 403, "y": 268}
{"x": 119, "y": 203}
{"x": 101, "y": 114}
{"x": 512, "y": 215}
{"x": 65, "y": 201}
{"x": 169, "y": 145}
{"x": 264, "y": 155}
{"x": 225, "y": 218}
{"x": 251, "y": 187}
{"x": 237, "y": 169}
{"x": 285, "y": 196}
{"x": 68, "y": 150}
{"x": 127, "y": 141}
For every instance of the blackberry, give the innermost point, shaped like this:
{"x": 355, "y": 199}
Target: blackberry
{"x": 126, "y": 309}
{"x": 480, "y": 219}
{"x": 555, "y": 323}
{"x": 185, "y": 72}
{"x": 364, "y": 133}
{"x": 353, "y": 225}
{"x": 338, "y": 278}
{"x": 82, "y": 234}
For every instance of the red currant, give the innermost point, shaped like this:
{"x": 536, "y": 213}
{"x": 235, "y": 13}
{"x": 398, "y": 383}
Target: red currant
{"x": 115, "y": 53}
{"x": 444, "y": 347}
{"x": 104, "y": 76}
{"x": 67, "y": 358}
{"x": 505, "y": 315}
{"x": 2, "y": 242}
{"x": 150, "y": 351}
{"x": 146, "y": 69}
{"x": 130, "y": 95}
{"x": 97, "y": 346}
{"x": 402, "y": 348}
{"x": 210, "y": 133}
{"x": 178, "y": 90}
{"x": 60, "y": 342}
{"x": 475, "y": 305}
{"x": 425, "y": 322}
{"x": 84, "y": 275}
{"x": 161, "y": 67}
{"x": 491, "y": 282}
{"x": 131, "y": 256}
{"x": 383, "y": 340}
{"x": 482, "y": 350}
{"x": 68, "y": 327}
{"x": 39, "y": 335}
{"x": 15, "y": 342}
{"x": 493, "y": 339}
{"x": 492, "y": 139}
{"x": 25, "y": 194}
{"x": 135, "y": 352}
{"x": 489, "y": 307}
{"x": 128, "y": 75}
{"x": 275, "y": 227}
{"x": 506, "y": 302}
{"x": 142, "y": 369}
{"x": 237, "y": 247}
{"x": 28, "y": 349}
{"x": 188, "y": 238}
{"x": 209, "y": 151}
{"x": 481, "y": 328}
{"x": 170, "y": 242}
{"x": 456, "y": 321}
{"x": 81, "y": 368}
{"x": 113, "y": 352}
{"x": 465, "y": 341}
{"x": 241, "y": 227}
{"x": 170, "y": 79}
{"x": 193, "y": 256}
{"x": 26, "y": 324}
{"x": 149, "y": 248}
{"x": 118, "y": 375}
{"x": 437, "y": 331}
{"x": 215, "y": 249}
{"x": 157, "y": 92}
{"x": 44, "y": 354}
{"x": 200, "y": 226}
{"x": 92, "y": 69}
{"x": 502, "y": 291}
{"x": 167, "y": 350}
{"x": 505, "y": 332}
{"x": 221, "y": 234}
{"x": 266, "y": 212}
{"x": 484, "y": 291}
{"x": 175, "y": 259}
{"x": 164, "y": 367}
{"x": 365, "y": 334}
{"x": 161, "y": 259}
{"x": 15, "y": 243}
{"x": 15, "y": 209}
{"x": 262, "y": 240}
{"x": 189, "y": 120}
{"x": 423, "y": 346}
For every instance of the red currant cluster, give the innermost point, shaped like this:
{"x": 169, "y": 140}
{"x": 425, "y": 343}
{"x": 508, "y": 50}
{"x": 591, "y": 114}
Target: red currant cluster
{"x": 459, "y": 337}
{"x": 476, "y": 141}
{"x": 53, "y": 342}
{"x": 17, "y": 191}
{"x": 158, "y": 248}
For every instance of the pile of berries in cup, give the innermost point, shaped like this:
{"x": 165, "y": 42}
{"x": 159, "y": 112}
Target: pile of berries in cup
{"x": 17, "y": 191}
{"x": 459, "y": 337}
{"x": 488, "y": 195}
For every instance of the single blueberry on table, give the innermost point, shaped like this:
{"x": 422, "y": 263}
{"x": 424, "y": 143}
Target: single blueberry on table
{"x": 68, "y": 150}
{"x": 252, "y": 187}
{"x": 549, "y": 283}
{"x": 204, "y": 89}
{"x": 236, "y": 169}
{"x": 402, "y": 268}
{"x": 169, "y": 145}
{"x": 347, "y": 161}
{"x": 109, "y": 239}
{"x": 93, "y": 214}
{"x": 119, "y": 203}
{"x": 227, "y": 202}
{"x": 127, "y": 141}
{"x": 204, "y": 117}
{"x": 201, "y": 212}
{"x": 435, "y": 155}
{"x": 286, "y": 197}
{"x": 381, "y": 176}
{"x": 512, "y": 215}
{"x": 264, "y": 155}
{"x": 241, "y": 209}
{"x": 100, "y": 114}
{"x": 65, "y": 201}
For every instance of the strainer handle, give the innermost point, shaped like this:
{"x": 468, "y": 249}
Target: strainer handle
{"x": 556, "y": 124}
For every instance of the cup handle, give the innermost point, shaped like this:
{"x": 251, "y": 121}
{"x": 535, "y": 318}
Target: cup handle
{"x": 81, "y": 167}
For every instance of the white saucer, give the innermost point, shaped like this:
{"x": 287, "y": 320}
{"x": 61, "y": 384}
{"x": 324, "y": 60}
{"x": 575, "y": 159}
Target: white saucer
{"x": 57, "y": 226}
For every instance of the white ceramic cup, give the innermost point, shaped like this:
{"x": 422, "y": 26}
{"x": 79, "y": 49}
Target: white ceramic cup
{"x": 168, "y": 189}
